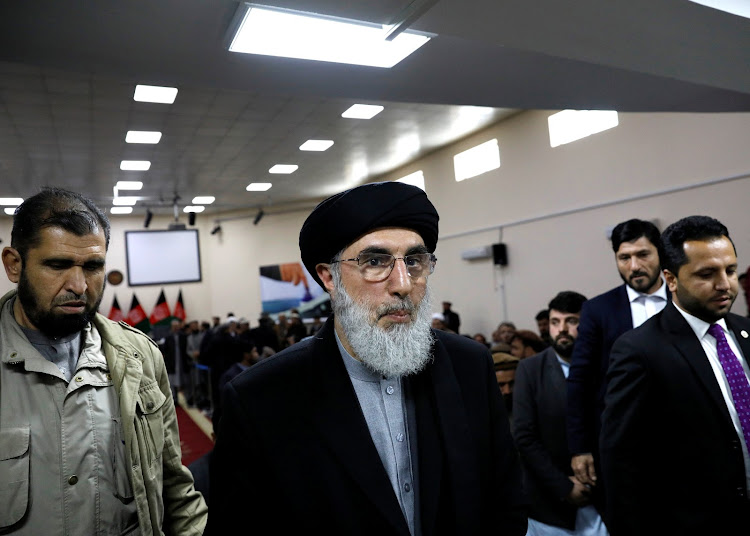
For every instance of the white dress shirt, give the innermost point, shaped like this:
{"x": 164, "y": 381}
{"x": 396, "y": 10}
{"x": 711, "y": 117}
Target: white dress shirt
{"x": 644, "y": 306}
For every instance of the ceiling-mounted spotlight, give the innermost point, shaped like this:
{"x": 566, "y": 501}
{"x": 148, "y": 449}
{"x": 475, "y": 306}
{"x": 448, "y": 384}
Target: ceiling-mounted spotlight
{"x": 216, "y": 229}
{"x": 147, "y": 221}
{"x": 258, "y": 216}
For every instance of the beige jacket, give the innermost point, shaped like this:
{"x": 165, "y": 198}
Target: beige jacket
{"x": 166, "y": 500}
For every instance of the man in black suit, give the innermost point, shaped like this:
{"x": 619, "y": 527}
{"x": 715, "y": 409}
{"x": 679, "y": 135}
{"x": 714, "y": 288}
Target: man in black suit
{"x": 560, "y": 503}
{"x": 676, "y": 423}
{"x": 377, "y": 424}
{"x": 637, "y": 246}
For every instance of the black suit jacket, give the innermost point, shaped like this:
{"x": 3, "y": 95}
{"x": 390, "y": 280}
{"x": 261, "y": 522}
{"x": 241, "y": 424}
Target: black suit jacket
{"x": 539, "y": 397}
{"x": 603, "y": 319}
{"x": 294, "y": 454}
{"x": 671, "y": 458}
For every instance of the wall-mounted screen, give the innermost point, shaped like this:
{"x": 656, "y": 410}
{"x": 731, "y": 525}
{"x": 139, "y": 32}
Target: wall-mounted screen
{"x": 161, "y": 257}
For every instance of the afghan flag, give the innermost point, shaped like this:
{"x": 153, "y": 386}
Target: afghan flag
{"x": 137, "y": 316}
{"x": 179, "y": 308}
{"x": 160, "y": 315}
{"x": 115, "y": 314}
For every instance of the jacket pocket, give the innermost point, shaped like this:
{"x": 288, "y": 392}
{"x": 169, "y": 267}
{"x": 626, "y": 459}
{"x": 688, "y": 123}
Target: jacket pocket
{"x": 150, "y": 421}
{"x": 123, "y": 486}
{"x": 14, "y": 474}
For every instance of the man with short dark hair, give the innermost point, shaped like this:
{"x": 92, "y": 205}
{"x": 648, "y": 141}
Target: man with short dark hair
{"x": 560, "y": 503}
{"x": 637, "y": 247}
{"x": 542, "y": 324}
{"x": 526, "y": 343}
{"x": 450, "y": 317}
{"x": 676, "y": 424}
{"x": 88, "y": 432}
{"x": 377, "y": 424}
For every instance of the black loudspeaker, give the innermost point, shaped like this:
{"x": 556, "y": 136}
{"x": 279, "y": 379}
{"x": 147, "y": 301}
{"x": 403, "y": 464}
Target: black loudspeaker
{"x": 500, "y": 254}
{"x": 191, "y": 218}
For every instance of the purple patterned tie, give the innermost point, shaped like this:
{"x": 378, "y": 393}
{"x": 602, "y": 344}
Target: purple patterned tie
{"x": 738, "y": 383}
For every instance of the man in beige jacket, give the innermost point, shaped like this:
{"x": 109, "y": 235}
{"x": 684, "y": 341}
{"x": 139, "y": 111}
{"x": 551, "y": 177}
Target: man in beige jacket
{"x": 88, "y": 432}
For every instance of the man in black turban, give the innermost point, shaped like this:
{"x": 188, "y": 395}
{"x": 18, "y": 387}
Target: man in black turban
{"x": 377, "y": 424}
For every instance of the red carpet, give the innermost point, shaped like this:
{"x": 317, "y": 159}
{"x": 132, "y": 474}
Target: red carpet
{"x": 193, "y": 441}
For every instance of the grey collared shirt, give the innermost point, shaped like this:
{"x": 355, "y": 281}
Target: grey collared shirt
{"x": 386, "y": 409}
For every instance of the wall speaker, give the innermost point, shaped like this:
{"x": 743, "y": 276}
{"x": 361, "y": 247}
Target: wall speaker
{"x": 500, "y": 254}
{"x": 191, "y": 218}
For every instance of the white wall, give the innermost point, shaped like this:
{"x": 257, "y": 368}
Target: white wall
{"x": 550, "y": 206}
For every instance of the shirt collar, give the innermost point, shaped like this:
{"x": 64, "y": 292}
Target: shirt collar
{"x": 700, "y": 327}
{"x": 660, "y": 294}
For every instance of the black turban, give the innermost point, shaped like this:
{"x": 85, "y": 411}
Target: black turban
{"x": 343, "y": 218}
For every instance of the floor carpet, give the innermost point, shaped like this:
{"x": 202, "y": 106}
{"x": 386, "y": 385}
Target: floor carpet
{"x": 193, "y": 441}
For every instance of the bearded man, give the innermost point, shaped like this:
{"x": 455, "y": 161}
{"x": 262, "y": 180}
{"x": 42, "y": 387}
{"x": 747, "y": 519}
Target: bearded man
{"x": 88, "y": 433}
{"x": 378, "y": 424}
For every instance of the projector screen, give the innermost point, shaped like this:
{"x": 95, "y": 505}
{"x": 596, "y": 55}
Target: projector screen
{"x": 161, "y": 257}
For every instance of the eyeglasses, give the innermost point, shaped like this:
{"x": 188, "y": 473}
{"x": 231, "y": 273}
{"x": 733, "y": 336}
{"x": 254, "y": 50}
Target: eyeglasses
{"x": 378, "y": 266}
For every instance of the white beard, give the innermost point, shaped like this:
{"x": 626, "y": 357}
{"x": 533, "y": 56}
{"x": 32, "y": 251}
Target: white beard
{"x": 399, "y": 350}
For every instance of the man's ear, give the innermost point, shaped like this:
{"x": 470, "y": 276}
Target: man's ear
{"x": 671, "y": 280}
{"x": 325, "y": 275}
{"x": 12, "y": 263}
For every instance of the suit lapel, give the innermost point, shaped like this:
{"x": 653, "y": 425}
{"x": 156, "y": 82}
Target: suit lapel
{"x": 342, "y": 426}
{"x": 454, "y": 437}
{"x": 556, "y": 376}
{"x": 683, "y": 338}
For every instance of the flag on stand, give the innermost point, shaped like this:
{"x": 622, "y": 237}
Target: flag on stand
{"x": 115, "y": 313}
{"x": 160, "y": 315}
{"x": 137, "y": 316}
{"x": 179, "y": 308}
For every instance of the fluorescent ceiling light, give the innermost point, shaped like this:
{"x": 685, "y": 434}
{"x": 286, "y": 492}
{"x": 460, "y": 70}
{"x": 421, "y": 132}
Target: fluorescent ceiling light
{"x": 135, "y": 165}
{"x": 121, "y": 210}
{"x": 11, "y": 201}
{"x": 129, "y": 185}
{"x": 158, "y": 94}
{"x": 203, "y": 200}
{"x": 124, "y": 200}
{"x": 571, "y": 125}
{"x": 415, "y": 179}
{"x": 735, "y": 7}
{"x": 477, "y": 160}
{"x": 273, "y": 32}
{"x": 196, "y": 208}
{"x": 258, "y": 186}
{"x": 316, "y": 145}
{"x": 362, "y": 111}
{"x": 10, "y": 211}
{"x": 283, "y": 169}
{"x": 142, "y": 136}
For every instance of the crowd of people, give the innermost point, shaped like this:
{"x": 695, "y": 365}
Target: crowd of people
{"x": 627, "y": 413}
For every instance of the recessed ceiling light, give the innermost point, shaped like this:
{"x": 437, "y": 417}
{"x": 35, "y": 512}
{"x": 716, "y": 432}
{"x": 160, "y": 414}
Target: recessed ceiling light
{"x": 258, "y": 186}
{"x": 11, "y": 201}
{"x": 142, "y": 136}
{"x": 283, "y": 169}
{"x": 124, "y": 200}
{"x": 362, "y": 111}
{"x": 193, "y": 208}
{"x": 158, "y": 94}
{"x": 121, "y": 210}
{"x": 203, "y": 200}
{"x": 135, "y": 165}
{"x": 129, "y": 185}
{"x": 290, "y": 34}
{"x": 316, "y": 145}
{"x": 735, "y": 7}
{"x": 10, "y": 211}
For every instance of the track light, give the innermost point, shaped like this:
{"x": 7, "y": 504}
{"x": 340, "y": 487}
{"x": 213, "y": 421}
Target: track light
{"x": 216, "y": 229}
{"x": 147, "y": 221}
{"x": 258, "y": 217}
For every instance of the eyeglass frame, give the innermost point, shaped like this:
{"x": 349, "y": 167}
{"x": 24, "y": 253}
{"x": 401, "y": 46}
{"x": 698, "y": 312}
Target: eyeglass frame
{"x": 432, "y": 259}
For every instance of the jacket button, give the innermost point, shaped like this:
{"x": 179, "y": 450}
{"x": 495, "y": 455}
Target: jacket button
{"x": 150, "y": 405}
{"x": 73, "y": 480}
